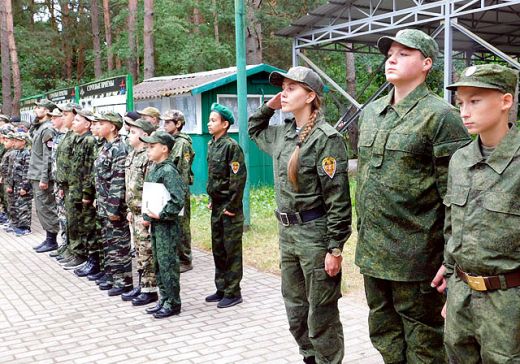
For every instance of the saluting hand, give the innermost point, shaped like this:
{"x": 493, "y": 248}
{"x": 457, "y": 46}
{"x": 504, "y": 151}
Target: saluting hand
{"x": 276, "y": 102}
{"x": 332, "y": 264}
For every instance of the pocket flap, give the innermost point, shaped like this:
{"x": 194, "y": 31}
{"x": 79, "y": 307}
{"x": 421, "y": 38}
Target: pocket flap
{"x": 367, "y": 137}
{"x": 502, "y": 202}
{"x": 458, "y": 197}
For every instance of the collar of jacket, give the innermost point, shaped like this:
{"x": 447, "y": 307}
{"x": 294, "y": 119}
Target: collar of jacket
{"x": 406, "y": 104}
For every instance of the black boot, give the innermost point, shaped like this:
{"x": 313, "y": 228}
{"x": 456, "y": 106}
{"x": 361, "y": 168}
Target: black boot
{"x": 91, "y": 267}
{"x": 128, "y": 296}
{"x": 95, "y": 276}
{"x": 51, "y": 244}
{"x": 145, "y": 298}
{"x": 43, "y": 242}
{"x": 309, "y": 360}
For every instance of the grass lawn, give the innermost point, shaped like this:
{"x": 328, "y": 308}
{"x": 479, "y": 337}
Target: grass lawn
{"x": 260, "y": 242}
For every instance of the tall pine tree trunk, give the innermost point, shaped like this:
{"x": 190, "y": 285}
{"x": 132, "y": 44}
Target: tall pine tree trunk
{"x": 65, "y": 37}
{"x": 253, "y": 33}
{"x": 132, "y": 42}
{"x": 149, "y": 51}
{"x": 108, "y": 34}
{"x": 94, "y": 17}
{"x": 7, "y": 99}
{"x": 14, "y": 58}
{"x": 215, "y": 22}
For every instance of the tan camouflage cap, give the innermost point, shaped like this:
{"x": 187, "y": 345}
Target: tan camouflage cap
{"x": 175, "y": 115}
{"x": 87, "y": 114}
{"x": 55, "y": 113}
{"x": 411, "y": 38}
{"x": 112, "y": 117}
{"x": 71, "y": 106}
{"x": 299, "y": 74}
{"x": 46, "y": 103}
{"x": 147, "y": 126}
{"x": 150, "y": 111}
{"x": 492, "y": 76}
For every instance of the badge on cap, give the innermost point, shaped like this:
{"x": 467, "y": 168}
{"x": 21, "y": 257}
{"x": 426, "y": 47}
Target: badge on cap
{"x": 329, "y": 166}
{"x": 471, "y": 70}
{"x": 235, "y": 166}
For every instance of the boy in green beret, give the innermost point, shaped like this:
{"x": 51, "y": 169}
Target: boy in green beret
{"x": 482, "y": 227}
{"x": 226, "y": 181}
{"x": 164, "y": 226}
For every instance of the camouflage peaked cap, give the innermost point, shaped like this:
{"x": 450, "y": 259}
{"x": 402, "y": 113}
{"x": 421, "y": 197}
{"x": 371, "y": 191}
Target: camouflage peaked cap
{"x": 411, "y": 38}
{"x": 5, "y": 118}
{"x": 150, "y": 111}
{"x": 175, "y": 115}
{"x": 112, "y": 117}
{"x": 299, "y": 74}
{"x": 226, "y": 113}
{"x": 71, "y": 106}
{"x": 55, "y": 113}
{"x": 160, "y": 137}
{"x": 21, "y": 136}
{"x": 143, "y": 124}
{"x": 87, "y": 114}
{"x": 46, "y": 103}
{"x": 492, "y": 76}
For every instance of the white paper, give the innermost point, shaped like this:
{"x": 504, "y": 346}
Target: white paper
{"x": 155, "y": 197}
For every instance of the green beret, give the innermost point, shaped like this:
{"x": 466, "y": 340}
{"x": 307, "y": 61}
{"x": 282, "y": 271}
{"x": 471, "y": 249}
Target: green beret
{"x": 411, "y": 38}
{"x": 112, "y": 117}
{"x": 492, "y": 76}
{"x": 224, "y": 112}
{"x": 160, "y": 137}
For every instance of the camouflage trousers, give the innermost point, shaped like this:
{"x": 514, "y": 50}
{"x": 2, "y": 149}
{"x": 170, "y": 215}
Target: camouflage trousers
{"x": 184, "y": 248}
{"x": 116, "y": 249}
{"x": 165, "y": 237}
{"x": 11, "y": 210}
{"x": 62, "y": 214}
{"x": 3, "y": 203}
{"x": 482, "y": 327}
{"x": 23, "y": 208}
{"x": 75, "y": 223}
{"x": 143, "y": 251}
{"x": 405, "y": 322}
{"x": 226, "y": 245}
{"x": 97, "y": 244}
{"x": 45, "y": 204}
{"x": 310, "y": 294}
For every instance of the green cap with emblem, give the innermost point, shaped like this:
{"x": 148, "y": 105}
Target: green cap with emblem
{"x": 112, "y": 117}
{"x": 411, "y": 38}
{"x": 160, "y": 137}
{"x": 492, "y": 76}
{"x": 46, "y": 103}
{"x": 143, "y": 124}
{"x": 299, "y": 74}
{"x": 224, "y": 112}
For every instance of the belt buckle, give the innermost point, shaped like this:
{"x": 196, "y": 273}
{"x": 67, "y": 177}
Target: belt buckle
{"x": 476, "y": 282}
{"x": 285, "y": 222}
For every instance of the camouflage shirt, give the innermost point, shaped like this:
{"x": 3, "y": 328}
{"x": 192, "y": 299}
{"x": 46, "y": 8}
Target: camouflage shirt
{"x": 63, "y": 152}
{"x": 4, "y": 164}
{"x": 20, "y": 168}
{"x": 226, "y": 173}
{"x": 11, "y": 157}
{"x": 166, "y": 173}
{"x": 109, "y": 171}
{"x": 404, "y": 151}
{"x": 182, "y": 155}
{"x": 55, "y": 142}
{"x": 482, "y": 225}
{"x": 136, "y": 166}
{"x": 322, "y": 176}
{"x": 81, "y": 165}
{"x": 40, "y": 165}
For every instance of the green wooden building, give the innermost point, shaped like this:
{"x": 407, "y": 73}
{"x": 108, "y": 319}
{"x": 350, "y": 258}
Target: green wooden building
{"x": 194, "y": 93}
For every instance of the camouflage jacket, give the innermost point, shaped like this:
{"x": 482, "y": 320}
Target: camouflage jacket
{"x": 322, "y": 176}
{"x": 11, "y": 157}
{"x": 182, "y": 155}
{"x": 63, "y": 153}
{"x": 40, "y": 165}
{"x": 167, "y": 174}
{"x": 109, "y": 171}
{"x": 403, "y": 157}
{"x": 19, "y": 178}
{"x": 4, "y": 164}
{"x": 482, "y": 226}
{"x": 55, "y": 142}
{"x": 136, "y": 166}
{"x": 227, "y": 173}
{"x": 81, "y": 165}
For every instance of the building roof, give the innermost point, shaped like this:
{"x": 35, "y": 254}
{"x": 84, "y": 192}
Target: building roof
{"x": 193, "y": 83}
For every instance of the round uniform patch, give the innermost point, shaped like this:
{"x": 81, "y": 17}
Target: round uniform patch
{"x": 329, "y": 166}
{"x": 235, "y": 166}
{"x": 471, "y": 70}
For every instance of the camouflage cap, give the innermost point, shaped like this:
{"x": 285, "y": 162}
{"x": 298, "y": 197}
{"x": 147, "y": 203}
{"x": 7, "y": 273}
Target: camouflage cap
{"x": 143, "y": 124}
{"x": 55, "y": 113}
{"x": 150, "y": 111}
{"x": 411, "y": 38}
{"x": 46, "y": 103}
{"x": 226, "y": 113}
{"x": 492, "y": 76}
{"x": 87, "y": 114}
{"x": 299, "y": 74}
{"x": 160, "y": 137}
{"x": 175, "y": 115}
{"x": 112, "y": 117}
{"x": 5, "y": 118}
{"x": 10, "y": 135}
{"x": 71, "y": 106}
{"x": 21, "y": 136}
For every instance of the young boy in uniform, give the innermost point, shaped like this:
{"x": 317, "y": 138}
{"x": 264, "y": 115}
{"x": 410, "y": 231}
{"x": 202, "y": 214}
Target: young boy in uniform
{"x": 21, "y": 186}
{"x": 226, "y": 181}
{"x": 4, "y": 171}
{"x": 482, "y": 228}
{"x": 165, "y": 230}
{"x": 8, "y": 183}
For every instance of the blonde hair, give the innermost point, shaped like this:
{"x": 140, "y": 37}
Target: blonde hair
{"x": 294, "y": 162}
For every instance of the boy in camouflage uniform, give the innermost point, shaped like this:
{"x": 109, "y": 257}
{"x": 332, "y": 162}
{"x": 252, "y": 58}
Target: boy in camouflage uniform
{"x": 482, "y": 227}
{"x": 20, "y": 186}
{"x": 164, "y": 226}
{"x": 182, "y": 155}
{"x": 406, "y": 140}
{"x": 153, "y": 115}
{"x": 137, "y": 165}
{"x": 226, "y": 181}
{"x": 111, "y": 207}
{"x": 10, "y": 157}
{"x": 7, "y": 142}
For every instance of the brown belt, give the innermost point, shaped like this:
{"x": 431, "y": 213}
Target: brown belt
{"x": 480, "y": 283}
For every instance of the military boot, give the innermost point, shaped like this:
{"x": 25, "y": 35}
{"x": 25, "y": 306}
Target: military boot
{"x": 50, "y": 245}
{"x": 129, "y": 296}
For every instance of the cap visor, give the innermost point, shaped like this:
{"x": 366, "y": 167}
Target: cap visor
{"x": 149, "y": 139}
{"x": 276, "y": 78}
{"x": 454, "y": 86}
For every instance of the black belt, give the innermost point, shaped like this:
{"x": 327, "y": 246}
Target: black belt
{"x": 294, "y": 218}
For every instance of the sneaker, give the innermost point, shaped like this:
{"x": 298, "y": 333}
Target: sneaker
{"x": 8, "y": 229}
{"x": 21, "y": 231}
{"x": 229, "y": 302}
